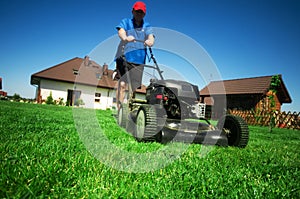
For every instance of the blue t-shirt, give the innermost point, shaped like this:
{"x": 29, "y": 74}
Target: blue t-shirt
{"x": 134, "y": 51}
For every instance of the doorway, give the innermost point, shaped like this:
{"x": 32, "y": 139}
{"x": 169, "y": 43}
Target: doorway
{"x": 73, "y": 96}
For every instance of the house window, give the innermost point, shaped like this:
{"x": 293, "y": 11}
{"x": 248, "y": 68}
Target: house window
{"x": 98, "y": 75}
{"x": 97, "y": 97}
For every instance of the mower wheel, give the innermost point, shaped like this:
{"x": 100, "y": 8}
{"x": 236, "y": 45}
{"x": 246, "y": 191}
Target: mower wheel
{"x": 236, "y": 130}
{"x": 146, "y": 124}
{"x": 123, "y": 115}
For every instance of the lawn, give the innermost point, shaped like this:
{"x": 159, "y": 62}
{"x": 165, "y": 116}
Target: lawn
{"x": 60, "y": 152}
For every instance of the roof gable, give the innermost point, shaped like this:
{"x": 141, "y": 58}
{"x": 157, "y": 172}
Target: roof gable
{"x": 79, "y": 71}
{"x": 65, "y": 71}
{"x": 254, "y": 85}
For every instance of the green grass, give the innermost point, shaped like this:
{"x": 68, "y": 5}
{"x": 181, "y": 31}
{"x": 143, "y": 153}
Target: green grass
{"x": 48, "y": 151}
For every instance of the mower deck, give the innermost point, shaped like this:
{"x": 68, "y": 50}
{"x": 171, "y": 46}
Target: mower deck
{"x": 193, "y": 132}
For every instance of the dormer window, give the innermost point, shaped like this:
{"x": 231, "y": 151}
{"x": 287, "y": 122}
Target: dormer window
{"x": 75, "y": 72}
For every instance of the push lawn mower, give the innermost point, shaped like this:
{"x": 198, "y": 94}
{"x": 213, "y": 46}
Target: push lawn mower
{"x": 172, "y": 112}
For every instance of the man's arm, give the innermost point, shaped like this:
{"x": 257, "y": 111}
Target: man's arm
{"x": 123, "y": 36}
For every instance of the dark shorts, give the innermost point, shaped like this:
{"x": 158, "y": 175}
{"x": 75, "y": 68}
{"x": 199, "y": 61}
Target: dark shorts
{"x": 129, "y": 72}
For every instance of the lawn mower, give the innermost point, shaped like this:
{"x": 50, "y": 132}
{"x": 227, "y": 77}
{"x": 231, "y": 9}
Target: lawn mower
{"x": 172, "y": 112}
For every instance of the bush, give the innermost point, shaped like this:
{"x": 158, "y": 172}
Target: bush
{"x": 16, "y": 97}
{"x": 79, "y": 102}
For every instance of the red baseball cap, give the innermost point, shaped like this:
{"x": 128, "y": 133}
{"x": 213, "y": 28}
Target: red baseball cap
{"x": 139, "y": 5}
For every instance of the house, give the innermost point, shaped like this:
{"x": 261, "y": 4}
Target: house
{"x": 78, "y": 82}
{"x": 243, "y": 94}
{"x": 2, "y": 93}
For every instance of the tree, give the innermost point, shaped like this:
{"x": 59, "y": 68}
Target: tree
{"x": 274, "y": 85}
{"x": 49, "y": 99}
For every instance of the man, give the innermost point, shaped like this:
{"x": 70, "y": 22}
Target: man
{"x": 135, "y": 34}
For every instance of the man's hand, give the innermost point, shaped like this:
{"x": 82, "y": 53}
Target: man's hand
{"x": 150, "y": 41}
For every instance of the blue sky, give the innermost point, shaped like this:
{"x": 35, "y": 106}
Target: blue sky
{"x": 244, "y": 38}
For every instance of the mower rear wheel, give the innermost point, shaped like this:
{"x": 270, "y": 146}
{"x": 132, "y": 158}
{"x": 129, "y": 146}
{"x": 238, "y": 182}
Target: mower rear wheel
{"x": 236, "y": 130}
{"x": 146, "y": 124}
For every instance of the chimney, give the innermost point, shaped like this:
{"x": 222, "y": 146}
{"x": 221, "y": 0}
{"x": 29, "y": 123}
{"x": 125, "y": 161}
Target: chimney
{"x": 86, "y": 60}
{"x": 105, "y": 69}
{"x": 0, "y": 83}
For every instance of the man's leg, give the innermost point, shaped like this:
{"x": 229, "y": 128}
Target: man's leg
{"x": 120, "y": 93}
{"x": 136, "y": 76}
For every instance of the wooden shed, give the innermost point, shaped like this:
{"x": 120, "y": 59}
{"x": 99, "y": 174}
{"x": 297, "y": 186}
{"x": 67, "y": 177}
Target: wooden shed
{"x": 243, "y": 94}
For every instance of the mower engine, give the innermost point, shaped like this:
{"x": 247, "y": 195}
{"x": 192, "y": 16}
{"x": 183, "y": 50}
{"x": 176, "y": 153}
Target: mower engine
{"x": 179, "y": 99}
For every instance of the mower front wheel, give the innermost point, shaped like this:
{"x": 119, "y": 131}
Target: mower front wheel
{"x": 123, "y": 115}
{"x": 146, "y": 124}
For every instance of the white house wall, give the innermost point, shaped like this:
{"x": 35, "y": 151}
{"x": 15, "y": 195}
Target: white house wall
{"x": 106, "y": 99}
{"x": 60, "y": 90}
{"x": 88, "y": 97}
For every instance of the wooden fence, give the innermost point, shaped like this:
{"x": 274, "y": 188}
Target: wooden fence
{"x": 282, "y": 119}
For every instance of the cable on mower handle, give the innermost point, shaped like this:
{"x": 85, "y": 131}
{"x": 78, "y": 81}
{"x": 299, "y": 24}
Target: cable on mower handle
{"x": 151, "y": 57}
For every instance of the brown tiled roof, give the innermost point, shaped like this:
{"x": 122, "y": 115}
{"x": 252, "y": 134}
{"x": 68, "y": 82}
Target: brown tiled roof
{"x": 78, "y": 71}
{"x": 254, "y": 85}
